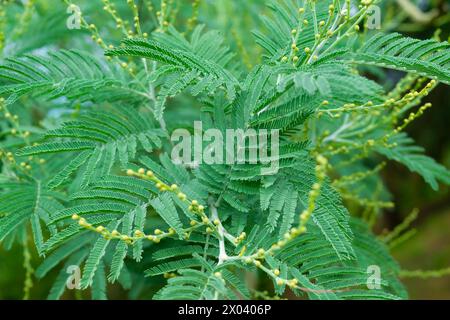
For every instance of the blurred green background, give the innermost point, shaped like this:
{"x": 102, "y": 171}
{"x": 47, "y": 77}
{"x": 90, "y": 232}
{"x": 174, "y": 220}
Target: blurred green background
{"x": 429, "y": 248}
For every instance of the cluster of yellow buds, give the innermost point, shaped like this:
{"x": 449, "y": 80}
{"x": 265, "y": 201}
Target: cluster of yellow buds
{"x": 136, "y": 20}
{"x": 240, "y": 238}
{"x": 358, "y": 176}
{"x": 367, "y": 3}
{"x": 260, "y": 255}
{"x": 295, "y": 33}
{"x": 25, "y": 165}
{"x": 191, "y": 22}
{"x": 114, "y": 234}
{"x": 366, "y": 203}
{"x": 345, "y": 12}
{"x": 8, "y": 115}
{"x": 255, "y": 260}
{"x": 290, "y": 283}
{"x": 323, "y": 32}
{"x": 321, "y": 169}
{"x": 161, "y": 15}
{"x": 405, "y": 84}
{"x": 294, "y": 47}
{"x": 169, "y": 275}
{"x": 195, "y": 206}
{"x": 8, "y": 155}
{"x": 275, "y": 273}
{"x": 331, "y": 9}
{"x": 412, "y": 116}
{"x": 149, "y": 5}
{"x": 28, "y": 165}
{"x": 394, "y": 107}
{"x": 370, "y": 108}
{"x": 120, "y": 23}
{"x": 192, "y": 205}
{"x": 13, "y": 120}
{"x": 158, "y": 235}
{"x": 25, "y": 18}
{"x": 95, "y": 35}
{"x": 410, "y": 99}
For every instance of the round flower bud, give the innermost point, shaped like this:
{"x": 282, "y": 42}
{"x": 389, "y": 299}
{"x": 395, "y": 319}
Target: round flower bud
{"x": 156, "y": 240}
{"x": 115, "y": 233}
{"x": 138, "y": 233}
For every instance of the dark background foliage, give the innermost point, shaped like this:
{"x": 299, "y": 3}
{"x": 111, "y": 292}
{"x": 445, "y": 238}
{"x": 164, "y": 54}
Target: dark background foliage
{"x": 429, "y": 248}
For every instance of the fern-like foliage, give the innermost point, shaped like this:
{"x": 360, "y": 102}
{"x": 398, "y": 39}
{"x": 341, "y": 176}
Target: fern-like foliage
{"x": 412, "y": 157}
{"x": 99, "y": 139}
{"x": 88, "y": 173}
{"x": 72, "y": 74}
{"x": 188, "y": 64}
{"x": 428, "y": 58}
{"x": 23, "y": 202}
{"x": 284, "y": 18}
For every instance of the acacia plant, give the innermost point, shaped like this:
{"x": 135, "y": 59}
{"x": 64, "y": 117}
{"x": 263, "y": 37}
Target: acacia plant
{"x": 87, "y": 177}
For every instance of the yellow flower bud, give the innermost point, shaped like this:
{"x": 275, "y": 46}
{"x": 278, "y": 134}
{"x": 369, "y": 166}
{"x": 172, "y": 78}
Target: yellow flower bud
{"x": 138, "y": 233}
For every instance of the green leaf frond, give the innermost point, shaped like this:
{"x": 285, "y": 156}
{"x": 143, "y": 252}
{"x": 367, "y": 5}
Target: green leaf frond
{"x": 73, "y": 74}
